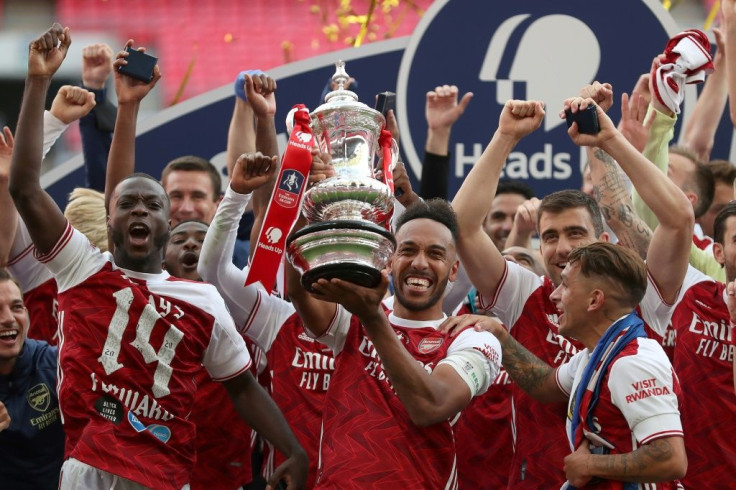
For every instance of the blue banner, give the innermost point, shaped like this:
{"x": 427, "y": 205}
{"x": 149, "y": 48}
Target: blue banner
{"x": 497, "y": 49}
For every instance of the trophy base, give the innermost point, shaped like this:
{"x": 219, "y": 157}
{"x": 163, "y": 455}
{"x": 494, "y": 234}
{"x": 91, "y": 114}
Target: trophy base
{"x": 359, "y": 274}
{"x": 355, "y": 251}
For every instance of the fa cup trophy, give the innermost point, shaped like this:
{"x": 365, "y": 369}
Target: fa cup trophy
{"x": 347, "y": 236}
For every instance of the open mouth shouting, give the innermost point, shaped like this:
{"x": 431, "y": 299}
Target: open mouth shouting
{"x": 139, "y": 234}
{"x": 189, "y": 260}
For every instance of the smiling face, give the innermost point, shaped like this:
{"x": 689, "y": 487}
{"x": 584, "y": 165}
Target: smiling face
{"x": 561, "y": 232}
{"x": 425, "y": 260}
{"x": 139, "y": 224}
{"x": 13, "y": 325}
{"x": 571, "y": 299}
{"x": 182, "y": 252}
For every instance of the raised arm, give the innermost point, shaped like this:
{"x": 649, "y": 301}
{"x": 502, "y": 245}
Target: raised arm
{"x": 96, "y": 128}
{"x": 130, "y": 92}
{"x": 241, "y": 135}
{"x": 44, "y": 219}
{"x": 8, "y": 214}
{"x": 525, "y": 224}
{"x": 215, "y": 260}
{"x": 484, "y": 263}
{"x": 261, "y": 93}
{"x": 441, "y": 111}
{"x": 728, "y": 12}
{"x": 610, "y": 184}
{"x": 672, "y": 239}
{"x": 700, "y": 127}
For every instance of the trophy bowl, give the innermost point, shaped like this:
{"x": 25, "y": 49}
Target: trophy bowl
{"x": 346, "y": 236}
{"x": 355, "y": 251}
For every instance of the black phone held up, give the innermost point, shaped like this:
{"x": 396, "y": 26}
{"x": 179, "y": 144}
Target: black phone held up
{"x": 140, "y": 65}
{"x": 587, "y": 120}
{"x": 385, "y": 101}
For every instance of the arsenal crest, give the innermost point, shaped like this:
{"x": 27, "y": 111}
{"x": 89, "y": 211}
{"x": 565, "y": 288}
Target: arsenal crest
{"x": 39, "y": 397}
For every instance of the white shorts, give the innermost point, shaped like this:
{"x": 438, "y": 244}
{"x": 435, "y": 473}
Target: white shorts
{"x": 76, "y": 475}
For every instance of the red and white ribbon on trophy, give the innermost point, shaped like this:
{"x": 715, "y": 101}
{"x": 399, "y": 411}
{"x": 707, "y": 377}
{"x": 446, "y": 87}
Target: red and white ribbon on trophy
{"x": 285, "y": 205}
{"x": 385, "y": 141}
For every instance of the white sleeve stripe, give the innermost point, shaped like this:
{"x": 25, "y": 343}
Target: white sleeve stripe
{"x": 656, "y": 289}
{"x": 660, "y": 435}
{"x": 559, "y": 385}
{"x": 18, "y": 257}
{"x": 253, "y": 314}
{"x": 332, "y": 322}
{"x": 51, "y": 254}
{"x": 499, "y": 287}
{"x": 238, "y": 372}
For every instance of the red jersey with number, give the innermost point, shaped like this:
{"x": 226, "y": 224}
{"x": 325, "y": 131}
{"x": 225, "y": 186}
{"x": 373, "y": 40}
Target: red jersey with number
{"x": 704, "y": 363}
{"x": 522, "y": 303}
{"x": 368, "y": 439}
{"x": 131, "y": 345}
{"x": 38, "y": 286}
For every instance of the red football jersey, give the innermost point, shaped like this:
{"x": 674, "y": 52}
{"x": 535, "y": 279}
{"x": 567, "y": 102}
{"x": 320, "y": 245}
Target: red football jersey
{"x": 637, "y": 403}
{"x": 484, "y": 439}
{"x": 301, "y": 370}
{"x": 38, "y": 286}
{"x": 223, "y": 440}
{"x": 368, "y": 439}
{"x": 131, "y": 345}
{"x": 704, "y": 363}
{"x": 522, "y": 303}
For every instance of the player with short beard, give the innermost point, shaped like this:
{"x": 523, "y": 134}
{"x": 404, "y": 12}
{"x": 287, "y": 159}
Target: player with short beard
{"x": 132, "y": 337}
{"x": 398, "y": 383}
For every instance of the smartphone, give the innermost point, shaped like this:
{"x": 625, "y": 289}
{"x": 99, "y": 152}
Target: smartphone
{"x": 140, "y": 65}
{"x": 386, "y": 101}
{"x": 587, "y": 120}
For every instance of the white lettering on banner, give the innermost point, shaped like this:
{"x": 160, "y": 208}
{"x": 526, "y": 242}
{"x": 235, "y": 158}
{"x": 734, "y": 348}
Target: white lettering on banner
{"x": 540, "y": 165}
{"x": 139, "y": 403}
{"x": 270, "y": 248}
{"x": 148, "y": 318}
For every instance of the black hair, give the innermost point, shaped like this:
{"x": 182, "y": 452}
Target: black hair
{"x": 436, "y": 209}
{"x": 508, "y": 186}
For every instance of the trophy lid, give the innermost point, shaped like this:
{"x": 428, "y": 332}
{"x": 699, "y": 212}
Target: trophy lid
{"x": 343, "y": 99}
{"x": 341, "y": 78}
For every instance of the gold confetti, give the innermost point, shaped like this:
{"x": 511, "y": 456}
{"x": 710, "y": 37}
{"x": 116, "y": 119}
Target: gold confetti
{"x": 228, "y": 38}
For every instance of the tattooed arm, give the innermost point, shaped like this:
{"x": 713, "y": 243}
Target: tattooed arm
{"x": 660, "y": 460}
{"x": 614, "y": 200}
{"x": 532, "y": 374}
